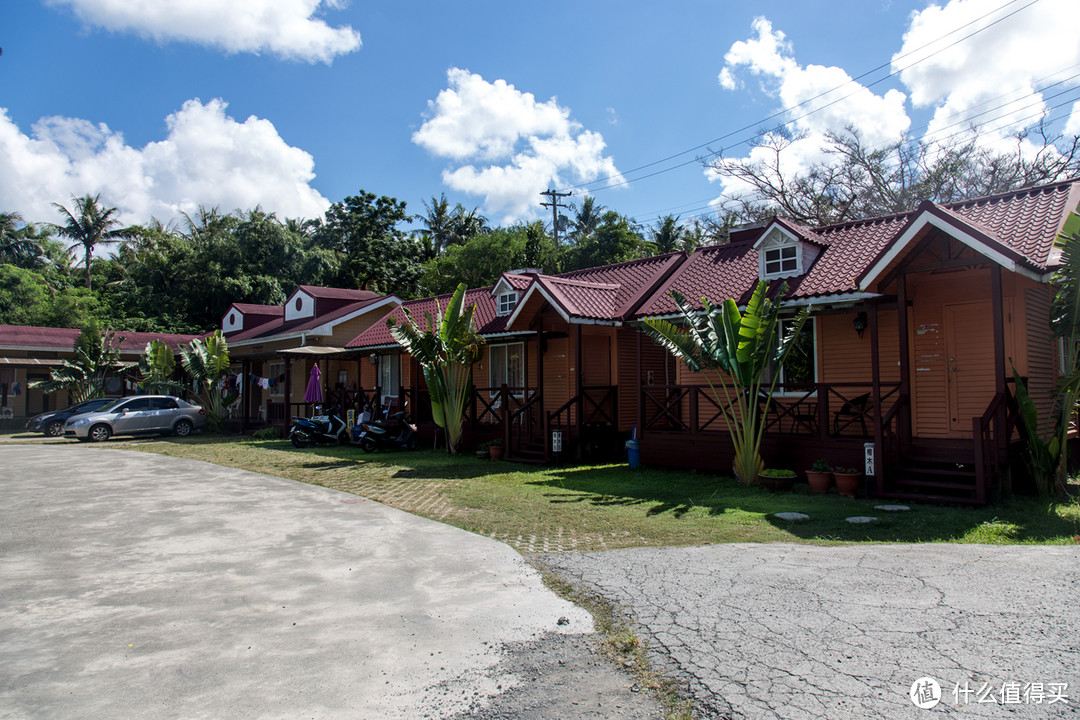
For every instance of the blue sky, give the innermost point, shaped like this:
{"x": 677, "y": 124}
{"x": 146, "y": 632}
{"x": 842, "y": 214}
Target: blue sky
{"x": 297, "y": 103}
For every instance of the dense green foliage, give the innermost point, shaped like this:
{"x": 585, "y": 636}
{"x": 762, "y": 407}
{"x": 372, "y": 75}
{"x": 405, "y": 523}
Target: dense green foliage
{"x": 183, "y": 278}
{"x": 97, "y": 356}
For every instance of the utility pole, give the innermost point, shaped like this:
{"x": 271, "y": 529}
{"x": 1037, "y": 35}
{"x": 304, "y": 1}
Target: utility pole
{"x": 554, "y": 205}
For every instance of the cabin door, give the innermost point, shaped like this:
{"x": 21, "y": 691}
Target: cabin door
{"x": 969, "y": 368}
{"x": 596, "y": 360}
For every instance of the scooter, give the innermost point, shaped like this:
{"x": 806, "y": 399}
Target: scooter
{"x": 393, "y": 432}
{"x": 319, "y": 429}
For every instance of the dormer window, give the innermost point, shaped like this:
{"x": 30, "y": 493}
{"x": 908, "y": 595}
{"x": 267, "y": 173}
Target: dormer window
{"x": 781, "y": 260}
{"x": 780, "y": 254}
{"x": 507, "y": 303}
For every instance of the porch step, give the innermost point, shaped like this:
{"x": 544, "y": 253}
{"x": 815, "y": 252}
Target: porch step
{"x": 942, "y": 471}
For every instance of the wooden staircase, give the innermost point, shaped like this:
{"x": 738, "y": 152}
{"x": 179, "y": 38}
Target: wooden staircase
{"x": 934, "y": 471}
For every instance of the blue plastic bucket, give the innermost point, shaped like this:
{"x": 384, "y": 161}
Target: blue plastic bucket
{"x": 633, "y": 454}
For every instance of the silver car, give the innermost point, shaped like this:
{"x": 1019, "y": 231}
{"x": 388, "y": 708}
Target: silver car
{"x": 138, "y": 415}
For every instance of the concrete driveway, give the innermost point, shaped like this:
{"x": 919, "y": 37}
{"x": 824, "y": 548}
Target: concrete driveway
{"x": 798, "y": 632}
{"x": 141, "y": 586}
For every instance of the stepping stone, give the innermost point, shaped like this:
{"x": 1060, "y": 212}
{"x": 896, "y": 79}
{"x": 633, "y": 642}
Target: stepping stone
{"x": 860, "y": 519}
{"x": 892, "y": 508}
{"x": 791, "y": 516}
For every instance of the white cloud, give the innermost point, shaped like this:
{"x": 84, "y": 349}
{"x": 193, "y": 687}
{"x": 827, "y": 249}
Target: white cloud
{"x": 287, "y": 28}
{"x": 769, "y": 57}
{"x": 993, "y": 77}
{"x": 207, "y": 158}
{"x": 506, "y": 145}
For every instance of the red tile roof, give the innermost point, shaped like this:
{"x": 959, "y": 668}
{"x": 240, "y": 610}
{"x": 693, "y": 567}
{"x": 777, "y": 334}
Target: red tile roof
{"x": 337, "y": 293}
{"x": 484, "y": 318}
{"x": 40, "y": 338}
{"x": 1022, "y": 223}
{"x": 253, "y": 309}
{"x": 578, "y": 298}
{"x": 268, "y": 330}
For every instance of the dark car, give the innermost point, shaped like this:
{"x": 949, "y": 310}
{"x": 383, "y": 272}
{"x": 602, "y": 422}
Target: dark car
{"x": 137, "y": 415}
{"x": 52, "y": 423}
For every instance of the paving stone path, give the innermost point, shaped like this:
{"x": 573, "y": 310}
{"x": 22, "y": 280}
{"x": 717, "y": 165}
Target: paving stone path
{"x": 793, "y": 631}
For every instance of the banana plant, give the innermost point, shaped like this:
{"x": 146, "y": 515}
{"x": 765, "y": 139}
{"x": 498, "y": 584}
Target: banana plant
{"x": 96, "y": 356}
{"x": 156, "y": 367}
{"x": 207, "y": 362}
{"x": 446, "y": 351}
{"x": 1065, "y": 327}
{"x": 737, "y": 347}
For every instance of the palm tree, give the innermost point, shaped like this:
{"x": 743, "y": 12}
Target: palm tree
{"x": 467, "y": 224}
{"x": 90, "y": 225}
{"x": 736, "y": 348}
{"x": 587, "y": 218}
{"x": 667, "y": 235}
{"x": 446, "y": 351}
{"x": 439, "y": 222}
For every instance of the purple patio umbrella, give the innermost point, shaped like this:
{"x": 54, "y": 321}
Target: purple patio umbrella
{"x": 313, "y": 394}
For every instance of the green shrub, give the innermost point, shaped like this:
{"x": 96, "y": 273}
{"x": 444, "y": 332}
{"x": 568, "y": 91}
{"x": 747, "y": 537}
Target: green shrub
{"x": 267, "y": 433}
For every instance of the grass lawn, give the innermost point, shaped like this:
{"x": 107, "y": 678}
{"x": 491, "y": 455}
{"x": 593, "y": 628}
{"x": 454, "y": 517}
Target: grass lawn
{"x": 609, "y": 506}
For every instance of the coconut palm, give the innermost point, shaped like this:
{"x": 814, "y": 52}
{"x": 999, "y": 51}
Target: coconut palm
{"x": 90, "y": 225}
{"x": 587, "y": 218}
{"x": 736, "y": 348}
{"x": 667, "y": 235}
{"x": 439, "y": 222}
{"x": 446, "y": 351}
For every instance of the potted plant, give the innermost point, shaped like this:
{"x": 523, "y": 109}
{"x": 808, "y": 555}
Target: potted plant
{"x": 847, "y": 480}
{"x": 819, "y": 476}
{"x": 496, "y": 448}
{"x": 777, "y": 480}
{"x": 483, "y": 451}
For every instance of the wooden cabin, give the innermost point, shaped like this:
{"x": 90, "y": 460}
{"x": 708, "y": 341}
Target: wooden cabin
{"x": 918, "y": 321}
{"x": 273, "y": 348}
{"x": 29, "y": 354}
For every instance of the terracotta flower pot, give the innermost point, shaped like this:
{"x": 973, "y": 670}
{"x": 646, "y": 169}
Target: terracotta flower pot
{"x": 847, "y": 483}
{"x": 496, "y": 452}
{"x": 819, "y": 482}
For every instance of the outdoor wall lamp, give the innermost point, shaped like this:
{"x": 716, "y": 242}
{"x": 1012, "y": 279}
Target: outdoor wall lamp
{"x": 373, "y": 358}
{"x": 860, "y": 323}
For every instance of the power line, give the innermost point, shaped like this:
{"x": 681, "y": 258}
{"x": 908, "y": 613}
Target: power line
{"x": 962, "y": 121}
{"x": 624, "y": 181}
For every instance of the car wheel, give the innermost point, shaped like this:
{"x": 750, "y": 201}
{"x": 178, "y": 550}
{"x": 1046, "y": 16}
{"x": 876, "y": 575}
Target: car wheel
{"x": 55, "y": 428}
{"x": 368, "y": 445}
{"x": 99, "y": 433}
{"x": 183, "y": 428}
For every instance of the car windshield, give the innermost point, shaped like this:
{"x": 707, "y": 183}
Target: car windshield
{"x": 112, "y": 404}
{"x": 91, "y": 405}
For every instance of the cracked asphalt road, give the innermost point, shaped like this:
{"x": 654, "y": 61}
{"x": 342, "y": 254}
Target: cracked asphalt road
{"x": 796, "y": 631}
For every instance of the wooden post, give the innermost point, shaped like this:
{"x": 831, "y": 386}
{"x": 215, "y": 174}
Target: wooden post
{"x": 579, "y": 385}
{"x": 1000, "y": 440}
{"x": 875, "y": 374}
{"x": 245, "y": 390}
{"x": 640, "y": 387}
{"x": 288, "y": 396}
{"x": 903, "y": 421}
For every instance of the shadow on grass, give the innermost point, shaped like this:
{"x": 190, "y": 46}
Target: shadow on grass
{"x": 678, "y": 492}
{"x": 656, "y": 492}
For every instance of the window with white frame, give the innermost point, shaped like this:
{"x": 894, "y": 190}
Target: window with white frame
{"x": 506, "y": 365}
{"x": 781, "y": 260}
{"x": 507, "y": 302}
{"x": 389, "y": 374}
{"x": 800, "y": 367}
{"x": 277, "y": 386}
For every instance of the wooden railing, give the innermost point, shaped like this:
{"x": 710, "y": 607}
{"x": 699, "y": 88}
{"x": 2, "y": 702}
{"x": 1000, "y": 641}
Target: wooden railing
{"x": 818, "y": 410}
{"x": 991, "y": 433}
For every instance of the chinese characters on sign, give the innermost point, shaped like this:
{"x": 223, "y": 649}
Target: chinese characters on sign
{"x": 925, "y": 693}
